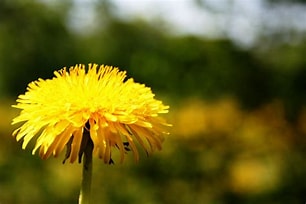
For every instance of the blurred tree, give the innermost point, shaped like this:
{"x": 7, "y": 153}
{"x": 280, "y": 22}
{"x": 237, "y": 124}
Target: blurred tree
{"x": 177, "y": 65}
{"x": 34, "y": 42}
{"x": 288, "y": 66}
{"x": 181, "y": 65}
{"x": 287, "y": 1}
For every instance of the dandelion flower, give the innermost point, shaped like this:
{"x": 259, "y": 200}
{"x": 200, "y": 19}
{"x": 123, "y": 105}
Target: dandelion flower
{"x": 96, "y": 104}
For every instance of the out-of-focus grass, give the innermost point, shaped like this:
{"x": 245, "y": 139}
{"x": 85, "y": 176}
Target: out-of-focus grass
{"x": 217, "y": 153}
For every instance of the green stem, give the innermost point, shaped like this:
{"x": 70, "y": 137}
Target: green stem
{"x": 87, "y": 174}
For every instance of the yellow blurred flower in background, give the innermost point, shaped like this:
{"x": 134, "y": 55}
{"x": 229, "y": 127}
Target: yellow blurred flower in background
{"x": 196, "y": 118}
{"x": 254, "y": 175}
{"x": 99, "y": 104}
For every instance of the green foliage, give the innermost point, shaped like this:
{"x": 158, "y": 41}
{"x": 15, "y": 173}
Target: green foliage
{"x": 35, "y": 41}
{"x": 179, "y": 66}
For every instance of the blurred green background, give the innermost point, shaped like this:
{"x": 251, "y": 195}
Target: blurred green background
{"x": 238, "y": 109}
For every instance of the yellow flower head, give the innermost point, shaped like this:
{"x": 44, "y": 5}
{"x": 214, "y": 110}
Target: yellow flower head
{"x": 96, "y": 105}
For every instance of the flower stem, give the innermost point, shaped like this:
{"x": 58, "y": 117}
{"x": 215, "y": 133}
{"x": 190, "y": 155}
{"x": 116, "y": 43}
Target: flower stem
{"x": 87, "y": 174}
